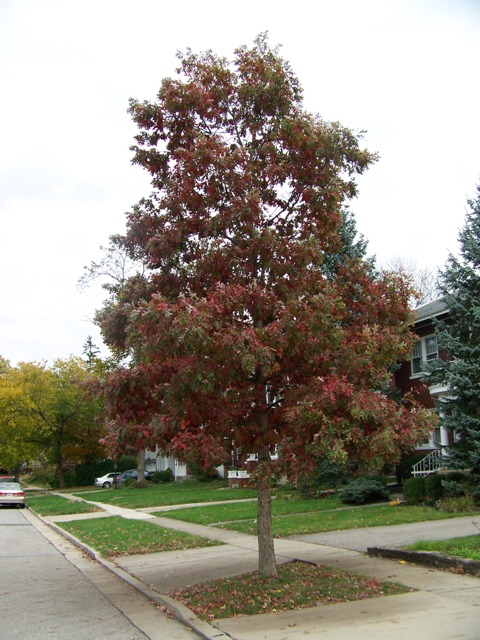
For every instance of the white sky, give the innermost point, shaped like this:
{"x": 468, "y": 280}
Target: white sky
{"x": 406, "y": 71}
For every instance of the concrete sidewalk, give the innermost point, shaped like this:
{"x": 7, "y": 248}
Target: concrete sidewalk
{"x": 444, "y": 607}
{"x": 398, "y": 535}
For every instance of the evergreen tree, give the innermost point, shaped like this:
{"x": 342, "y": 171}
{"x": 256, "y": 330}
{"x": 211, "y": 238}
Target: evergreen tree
{"x": 91, "y": 352}
{"x": 352, "y": 246}
{"x": 459, "y": 337}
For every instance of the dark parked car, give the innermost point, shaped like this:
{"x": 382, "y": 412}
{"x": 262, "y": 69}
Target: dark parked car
{"x": 7, "y": 478}
{"x": 131, "y": 474}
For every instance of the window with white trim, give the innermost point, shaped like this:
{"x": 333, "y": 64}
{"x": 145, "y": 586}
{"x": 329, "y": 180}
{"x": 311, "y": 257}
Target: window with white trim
{"x": 424, "y": 350}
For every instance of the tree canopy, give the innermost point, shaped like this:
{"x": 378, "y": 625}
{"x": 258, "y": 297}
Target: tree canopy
{"x": 16, "y": 438}
{"x": 44, "y": 411}
{"x": 258, "y": 320}
{"x": 459, "y": 337}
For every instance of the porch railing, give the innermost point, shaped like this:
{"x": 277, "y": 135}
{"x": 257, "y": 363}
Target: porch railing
{"x": 431, "y": 463}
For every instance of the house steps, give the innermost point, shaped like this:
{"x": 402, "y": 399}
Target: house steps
{"x": 432, "y": 463}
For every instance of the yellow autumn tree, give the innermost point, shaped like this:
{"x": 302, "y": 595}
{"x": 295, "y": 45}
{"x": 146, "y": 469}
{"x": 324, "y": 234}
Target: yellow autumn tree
{"x": 46, "y": 409}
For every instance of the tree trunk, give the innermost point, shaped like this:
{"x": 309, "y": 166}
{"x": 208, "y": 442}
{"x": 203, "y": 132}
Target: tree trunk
{"x": 60, "y": 475}
{"x": 16, "y": 472}
{"x": 59, "y": 457}
{"x": 141, "y": 466}
{"x": 267, "y": 565}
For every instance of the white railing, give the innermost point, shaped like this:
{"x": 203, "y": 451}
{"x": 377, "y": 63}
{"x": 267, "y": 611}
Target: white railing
{"x": 429, "y": 464}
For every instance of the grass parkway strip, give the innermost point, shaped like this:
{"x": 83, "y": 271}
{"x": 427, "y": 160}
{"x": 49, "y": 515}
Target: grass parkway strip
{"x": 298, "y": 585}
{"x": 115, "y": 536}
{"x": 467, "y": 547}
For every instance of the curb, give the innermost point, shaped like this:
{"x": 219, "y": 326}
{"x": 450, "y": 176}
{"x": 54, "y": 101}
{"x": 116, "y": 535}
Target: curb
{"x": 429, "y": 559}
{"x": 181, "y": 613}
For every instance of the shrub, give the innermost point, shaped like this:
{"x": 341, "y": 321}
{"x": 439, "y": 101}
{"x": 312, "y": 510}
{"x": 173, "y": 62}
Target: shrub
{"x": 326, "y": 475}
{"x": 314, "y": 493}
{"x": 455, "y": 476}
{"x": 125, "y": 463}
{"x": 376, "y": 478}
{"x": 459, "y": 504}
{"x": 433, "y": 487}
{"x": 363, "y": 490}
{"x": 476, "y": 495}
{"x": 163, "y": 476}
{"x": 414, "y": 490}
{"x": 138, "y": 484}
{"x": 43, "y": 476}
{"x": 452, "y": 489}
{"x": 201, "y": 474}
{"x": 86, "y": 472}
{"x": 403, "y": 470}
{"x": 69, "y": 478}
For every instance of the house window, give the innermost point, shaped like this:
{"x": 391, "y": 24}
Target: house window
{"x": 417, "y": 357}
{"x": 431, "y": 348}
{"x": 424, "y": 350}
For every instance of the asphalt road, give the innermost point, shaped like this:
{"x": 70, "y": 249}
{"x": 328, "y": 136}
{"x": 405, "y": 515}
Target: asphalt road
{"x": 50, "y": 589}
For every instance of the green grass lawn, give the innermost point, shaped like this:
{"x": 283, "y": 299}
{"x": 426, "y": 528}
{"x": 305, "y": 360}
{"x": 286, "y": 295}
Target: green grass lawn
{"x": 220, "y": 513}
{"x": 290, "y": 517}
{"x": 115, "y": 536}
{"x": 157, "y": 495}
{"x": 466, "y": 547}
{"x": 298, "y": 585}
{"x": 53, "y": 505}
{"x": 320, "y": 521}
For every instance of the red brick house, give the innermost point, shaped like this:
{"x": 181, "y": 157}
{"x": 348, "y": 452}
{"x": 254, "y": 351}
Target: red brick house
{"x": 410, "y": 377}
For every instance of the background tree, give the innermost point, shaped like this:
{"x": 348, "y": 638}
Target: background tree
{"x": 47, "y": 409}
{"x": 16, "y": 437}
{"x": 4, "y": 365}
{"x": 258, "y": 320}
{"x": 425, "y": 281}
{"x": 91, "y": 353}
{"x": 114, "y": 267}
{"x": 459, "y": 337}
{"x": 121, "y": 273}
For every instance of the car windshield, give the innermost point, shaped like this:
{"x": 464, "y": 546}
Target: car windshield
{"x": 10, "y": 486}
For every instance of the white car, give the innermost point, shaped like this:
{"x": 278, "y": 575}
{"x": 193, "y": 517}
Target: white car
{"x": 106, "y": 481}
{"x": 12, "y": 493}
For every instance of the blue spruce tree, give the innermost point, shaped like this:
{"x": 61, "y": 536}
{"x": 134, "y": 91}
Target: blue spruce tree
{"x": 459, "y": 338}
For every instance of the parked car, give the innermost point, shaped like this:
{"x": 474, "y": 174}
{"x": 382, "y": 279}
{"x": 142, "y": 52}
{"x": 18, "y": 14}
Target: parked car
{"x": 107, "y": 480}
{"x": 133, "y": 474}
{"x": 12, "y": 493}
{"x": 6, "y": 478}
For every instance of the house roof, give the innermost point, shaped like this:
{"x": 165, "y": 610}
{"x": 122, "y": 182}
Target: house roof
{"x": 430, "y": 310}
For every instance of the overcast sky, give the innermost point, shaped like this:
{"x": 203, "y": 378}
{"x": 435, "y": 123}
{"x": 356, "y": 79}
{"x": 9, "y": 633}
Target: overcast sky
{"x": 405, "y": 71}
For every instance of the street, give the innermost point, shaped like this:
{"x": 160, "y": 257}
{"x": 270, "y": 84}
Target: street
{"x": 50, "y": 589}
